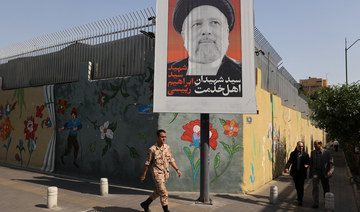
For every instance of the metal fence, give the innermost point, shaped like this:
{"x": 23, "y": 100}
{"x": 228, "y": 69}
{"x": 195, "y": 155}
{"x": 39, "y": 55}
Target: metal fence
{"x": 116, "y": 47}
{"x": 275, "y": 78}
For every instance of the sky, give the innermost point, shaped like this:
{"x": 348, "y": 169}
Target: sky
{"x": 309, "y": 35}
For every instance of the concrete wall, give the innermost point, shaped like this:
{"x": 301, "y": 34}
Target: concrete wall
{"x": 118, "y": 126}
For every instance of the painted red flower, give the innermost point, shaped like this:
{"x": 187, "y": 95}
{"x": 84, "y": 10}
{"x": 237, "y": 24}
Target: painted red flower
{"x": 61, "y": 107}
{"x": 48, "y": 122}
{"x": 231, "y": 128}
{"x": 192, "y": 134}
{"x": 103, "y": 99}
{"x": 39, "y": 110}
{"x": 30, "y": 128}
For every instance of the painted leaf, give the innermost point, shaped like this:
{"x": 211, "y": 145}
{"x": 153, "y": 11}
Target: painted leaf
{"x": 197, "y": 166}
{"x": 143, "y": 135}
{"x": 175, "y": 116}
{"x": 252, "y": 176}
{"x": 92, "y": 146}
{"x": 10, "y": 139}
{"x": 270, "y": 158}
{"x": 105, "y": 149}
{"x": 42, "y": 123}
{"x": 237, "y": 148}
{"x": 217, "y": 160}
{"x": 108, "y": 141}
{"x": 126, "y": 108}
{"x": 188, "y": 153}
{"x": 112, "y": 126}
{"x": 226, "y": 147}
{"x": 113, "y": 87}
{"x": 133, "y": 152}
{"x": 6, "y": 146}
{"x": 124, "y": 94}
{"x": 222, "y": 122}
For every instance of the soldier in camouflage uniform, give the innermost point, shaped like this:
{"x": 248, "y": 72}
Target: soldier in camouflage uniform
{"x": 158, "y": 159}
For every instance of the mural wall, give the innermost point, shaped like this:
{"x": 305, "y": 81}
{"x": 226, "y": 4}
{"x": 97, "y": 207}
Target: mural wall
{"x": 271, "y": 136}
{"x": 104, "y": 128}
{"x": 25, "y": 127}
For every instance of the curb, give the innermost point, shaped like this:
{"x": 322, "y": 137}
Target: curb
{"x": 353, "y": 185}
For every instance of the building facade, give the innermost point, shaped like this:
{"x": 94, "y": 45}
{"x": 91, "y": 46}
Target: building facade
{"x": 312, "y": 84}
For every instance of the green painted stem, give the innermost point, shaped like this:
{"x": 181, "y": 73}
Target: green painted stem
{"x": 223, "y": 171}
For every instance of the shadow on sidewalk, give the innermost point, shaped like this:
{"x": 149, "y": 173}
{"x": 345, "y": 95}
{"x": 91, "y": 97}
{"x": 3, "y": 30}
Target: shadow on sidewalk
{"x": 172, "y": 196}
{"x": 80, "y": 186}
{"x": 112, "y": 209}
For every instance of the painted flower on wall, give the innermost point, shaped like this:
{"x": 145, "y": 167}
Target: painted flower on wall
{"x": 106, "y": 131}
{"x": 231, "y": 128}
{"x": 62, "y": 105}
{"x": 39, "y": 110}
{"x": 21, "y": 148}
{"x": 103, "y": 99}
{"x": 107, "y": 134}
{"x": 9, "y": 108}
{"x": 192, "y": 134}
{"x": 30, "y": 128}
{"x": 17, "y": 157}
{"x": 6, "y": 129}
{"x": 48, "y": 122}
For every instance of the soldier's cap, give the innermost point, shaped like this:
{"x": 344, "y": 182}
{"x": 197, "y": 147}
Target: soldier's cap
{"x": 184, "y": 7}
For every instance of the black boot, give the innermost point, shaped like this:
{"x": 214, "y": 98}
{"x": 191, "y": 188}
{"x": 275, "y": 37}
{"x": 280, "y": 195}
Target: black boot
{"x": 145, "y": 204}
{"x": 165, "y": 208}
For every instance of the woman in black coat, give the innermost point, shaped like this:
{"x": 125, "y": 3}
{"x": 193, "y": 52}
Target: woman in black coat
{"x": 299, "y": 161}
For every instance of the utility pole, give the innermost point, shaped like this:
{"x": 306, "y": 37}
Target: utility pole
{"x": 204, "y": 158}
{"x": 346, "y": 49}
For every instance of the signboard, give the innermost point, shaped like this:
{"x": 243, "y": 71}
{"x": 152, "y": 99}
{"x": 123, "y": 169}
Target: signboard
{"x": 204, "y": 57}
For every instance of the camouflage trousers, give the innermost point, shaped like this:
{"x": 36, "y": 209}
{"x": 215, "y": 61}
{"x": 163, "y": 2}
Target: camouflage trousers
{"x": 160, "y": 191}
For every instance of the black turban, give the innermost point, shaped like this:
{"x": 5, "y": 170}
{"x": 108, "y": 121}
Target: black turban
{"x": 183, "y": 8}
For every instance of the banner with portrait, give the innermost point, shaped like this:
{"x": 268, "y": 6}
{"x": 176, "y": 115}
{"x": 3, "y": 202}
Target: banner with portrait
{"x": 204, "y": 57}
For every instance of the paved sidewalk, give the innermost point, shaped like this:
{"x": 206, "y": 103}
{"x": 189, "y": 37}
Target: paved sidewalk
{"x": 22, "y": 190}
